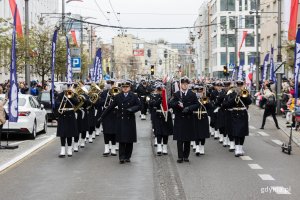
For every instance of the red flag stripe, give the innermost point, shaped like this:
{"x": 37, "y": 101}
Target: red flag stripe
{"x": 293, "y": 20}
{"x": 12, "y": 4}
{"x": 74, "y": 37}
{"x": 164, "y": 100}
{"x": 243, "y": 39}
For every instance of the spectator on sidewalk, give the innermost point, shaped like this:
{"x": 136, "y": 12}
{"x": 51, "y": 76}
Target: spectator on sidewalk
{"x": 270, "y": 107}
{"x": 2, "y": 113}
{"x": 34, "y": 90}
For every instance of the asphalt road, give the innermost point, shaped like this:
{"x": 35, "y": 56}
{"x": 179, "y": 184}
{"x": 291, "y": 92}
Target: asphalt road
{"x": 216, "y": 175}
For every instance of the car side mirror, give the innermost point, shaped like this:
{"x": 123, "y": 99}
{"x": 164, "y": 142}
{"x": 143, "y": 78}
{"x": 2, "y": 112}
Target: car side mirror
{"x": 42, "y": 106}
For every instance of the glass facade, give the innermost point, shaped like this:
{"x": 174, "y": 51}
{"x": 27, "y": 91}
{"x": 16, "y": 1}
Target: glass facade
{"x": 250, "y": 40}
{"x": 249, "y": 21}
{"x": 227, "y": 5}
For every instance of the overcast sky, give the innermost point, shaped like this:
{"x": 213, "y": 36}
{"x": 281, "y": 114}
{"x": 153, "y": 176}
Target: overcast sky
{"x": 140, "y": 13}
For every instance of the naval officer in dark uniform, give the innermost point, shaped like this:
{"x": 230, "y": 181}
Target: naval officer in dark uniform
{"x": 184, "y": 103}
{"x": 128, "y": 104}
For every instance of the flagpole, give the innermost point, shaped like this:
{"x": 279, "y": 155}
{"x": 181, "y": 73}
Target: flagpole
{"x": 27, "y": 66}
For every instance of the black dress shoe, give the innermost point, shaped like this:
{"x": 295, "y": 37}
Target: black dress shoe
{"x": 186, "y": 160}
{"x": 122, "y": 161}
{"x": 197, "y": 154}
{"x": 180, "y": 160}
{"x": 113, "y": 154}
{"x": 277, "y": 127}
{"x": 261, "y": 127}
{"x": 62, "y": 156}
{"x": 127, "y": 160}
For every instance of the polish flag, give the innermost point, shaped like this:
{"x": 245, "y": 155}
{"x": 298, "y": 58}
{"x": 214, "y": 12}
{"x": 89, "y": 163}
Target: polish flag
{"x": 12, "y": 4}
{"x": 293, "y": 20}
{"x": 245, "y": 33}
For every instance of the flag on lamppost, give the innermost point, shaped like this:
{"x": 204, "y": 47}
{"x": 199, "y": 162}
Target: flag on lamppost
{"x": 265, "y": 67}
{"x": 53, "y": 51}
{"x": 13, "y": 90}
{"x": 69, "y": 67}
{"x": 240, "y": 72}
{"x": 97, "y": 73}
{"x": 297, "y": 64}
{"x": 293, "y": 20}
{"x": 15, "y": 12}
{"x": 272, "y": 73}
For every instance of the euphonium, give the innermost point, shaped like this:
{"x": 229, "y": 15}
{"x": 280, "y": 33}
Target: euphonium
{"x": 81, "y": 100}
{"x": 94, "y": 93}
{"x": 95, "y": 88}
{"x": 93, "y": 97}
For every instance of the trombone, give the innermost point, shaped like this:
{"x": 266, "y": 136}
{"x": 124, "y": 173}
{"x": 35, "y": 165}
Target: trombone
{"x": 68, "y": 94}
{"x": 111, "y": 93}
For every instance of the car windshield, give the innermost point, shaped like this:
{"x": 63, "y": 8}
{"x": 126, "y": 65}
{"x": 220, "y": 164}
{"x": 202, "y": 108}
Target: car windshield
{"x": 45, "y": 96}
{"x": 21, "y": 102}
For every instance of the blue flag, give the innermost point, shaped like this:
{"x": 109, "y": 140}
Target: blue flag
{"x": 233, "y": 73}
{"x": 272, "y": 67}
{"x": 265, "y": 67}
{"x": 240, "y": 72}
{"x": 297, "y": 64}
{"x": 53, "y": 51}
{"x": 97, "y": 72}
{"x": 69, "y": 67}
{"x": 13, "y": 91}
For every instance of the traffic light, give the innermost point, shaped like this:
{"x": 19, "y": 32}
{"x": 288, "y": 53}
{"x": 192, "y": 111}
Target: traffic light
{"x": 149, "y": 53}
{"x": 146, "y": 62}
{"x": 165, "y": 54}
{"x": 152, "y": 70}
{"x": 225, "y": 71}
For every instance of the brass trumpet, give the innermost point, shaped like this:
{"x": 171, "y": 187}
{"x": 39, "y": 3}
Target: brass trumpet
{"x": 204, "y": 100}
{"x": 244, "y": 93}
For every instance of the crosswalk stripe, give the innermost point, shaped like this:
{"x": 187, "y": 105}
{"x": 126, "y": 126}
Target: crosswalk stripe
{"x": 266, "y": 177}
{"x": 255, "y": 166}
{"x": 252, "y": 127}
{"x": 246, "y": 158}
{"x": 277, "y": 142}
{"x": 263, "y": 133}
{"x": 281, "y": 190}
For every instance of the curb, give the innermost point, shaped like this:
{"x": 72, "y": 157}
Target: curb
{"x": 26, "y": 153}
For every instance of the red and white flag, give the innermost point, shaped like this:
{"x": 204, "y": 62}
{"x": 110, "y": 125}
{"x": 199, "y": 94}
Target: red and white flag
{"x": 164, "y": 104}
{"x": 293, "y": 20}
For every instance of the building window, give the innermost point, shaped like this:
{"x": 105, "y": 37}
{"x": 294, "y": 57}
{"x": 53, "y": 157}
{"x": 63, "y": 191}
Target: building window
{"x": 232, "y": 58}
{"x": 240, "y": 5}
{"x": 231, "y": 40}
{"x": 249, "y": 21}
{"x": 250, "y": 40}
{"x": 253, "y": 4}
{"x": 251, "y": 57}
{"x": 223, "y": 58}
{"x": 228, "y": 5}
{"x": 231, "y": 22}
{"x": 223, "y": 21}
{"x": 246, "y": 4}
{"x": 242, "y": 58}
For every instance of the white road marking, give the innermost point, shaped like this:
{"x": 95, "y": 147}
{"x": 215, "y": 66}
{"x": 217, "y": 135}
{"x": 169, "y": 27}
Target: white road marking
{"x": 16, "y": 143}
{"x": 252, "y": 134}
{"x": 246, "y": 158}
{"x": 266, "y": 177}
{"x": 26, "y": 153}
{"x": 263, "y": 133}
{"x": 252, "y": 127}
{"x": 281, "y": 190}
{"x": 255, "y": 166}
{"x": 277, "y": 142}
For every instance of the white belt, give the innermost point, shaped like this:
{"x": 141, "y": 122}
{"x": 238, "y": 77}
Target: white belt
{"x": 67, "y": 109}
{"x": 239, "y": 108}
{"x": 196, "y": 112}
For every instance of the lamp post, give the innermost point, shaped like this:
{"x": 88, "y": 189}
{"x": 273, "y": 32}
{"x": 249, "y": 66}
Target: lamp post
{"x": 27, "y": 67}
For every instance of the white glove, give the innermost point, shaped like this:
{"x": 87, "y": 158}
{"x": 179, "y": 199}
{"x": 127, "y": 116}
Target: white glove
{"x": 82, "y": 113}
{"x": 96, "y": 111}
{"x": 76, "y": 115}
{"x": 216, "y": 110}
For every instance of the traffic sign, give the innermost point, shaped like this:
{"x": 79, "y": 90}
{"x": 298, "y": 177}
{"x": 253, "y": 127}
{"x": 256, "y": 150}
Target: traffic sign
{"x": 76, "y": 65}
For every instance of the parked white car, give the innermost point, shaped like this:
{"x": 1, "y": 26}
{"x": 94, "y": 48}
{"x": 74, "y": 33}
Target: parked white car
{"x": 32, "y": 117}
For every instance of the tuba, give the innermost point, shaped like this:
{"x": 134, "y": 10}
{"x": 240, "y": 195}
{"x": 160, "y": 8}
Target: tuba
{"x": 94, "y": 93}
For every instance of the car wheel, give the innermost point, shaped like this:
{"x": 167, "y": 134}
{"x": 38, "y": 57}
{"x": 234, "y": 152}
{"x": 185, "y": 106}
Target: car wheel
{"x": 33, "y": 133}
{"x": 45, "y": 126}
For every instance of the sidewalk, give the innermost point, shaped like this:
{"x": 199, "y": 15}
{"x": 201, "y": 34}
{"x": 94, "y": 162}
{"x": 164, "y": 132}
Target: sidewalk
{"x": 282, "y": 124}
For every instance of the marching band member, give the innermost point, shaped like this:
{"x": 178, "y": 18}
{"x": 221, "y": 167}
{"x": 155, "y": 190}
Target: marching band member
{"x": 67, "y": 126}
{"x": 201, "y": 120}
{"x": 162, "y": 121}
{"x": 239, "y": 102}
{"x": 143, "y": 91}
{"x": 220, "y": 121}
{"x": 225, "y": 112}
{"x": 108, "y": 123}
{"x": 128, "y": 104}
{"x": 184, "y": 103}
